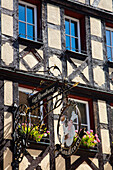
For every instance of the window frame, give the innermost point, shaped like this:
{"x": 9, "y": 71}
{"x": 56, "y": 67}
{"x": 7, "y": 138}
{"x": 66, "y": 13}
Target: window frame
{"x": 111, "y": 40}
{"x": 29, "y": 90}
{"x": 87, "y": 111}
{"x": 78, "y": 29}
{"x": 35, "y": 19}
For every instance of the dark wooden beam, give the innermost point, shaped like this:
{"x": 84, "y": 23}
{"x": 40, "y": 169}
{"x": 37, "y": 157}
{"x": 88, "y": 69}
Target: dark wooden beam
{"x": 85, "y": 9}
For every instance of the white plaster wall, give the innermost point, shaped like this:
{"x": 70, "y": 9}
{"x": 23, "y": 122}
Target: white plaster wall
{"x": 53, "y": 14}
{"x": 31, "y": 60}
{"x": 107, "y": 166}
{"x": 7, "y": 53}
{"x": 97, "y": 73}
{"x": 105, "y": 141}
{"x": 8, "y": 4}
{"x": 82, "y": 1}
{"x": 60, "y": 163}
{"x": 74, "y": 158}
{"x": 54, "y": 38}
{"x": 84, "y": 166}
{"x": 24, "y": 164}
{"x": 78, "y": 79}
{"x": 102, "y": 111}
{"x": 45, "y": 163}
{"x": 97, "y": 50}
{"x": 22, "y": 67}
{"x": 7, "y": 125}
{"x": 54, "y": 60}
{"x": 8, "y": 93}
{"x": 7, "y": 160}
{"x": 95, "y": 161}
{"x": 103, "y": 4}
{"x": 6, "y": 28}
{"x": 95, "y": 26}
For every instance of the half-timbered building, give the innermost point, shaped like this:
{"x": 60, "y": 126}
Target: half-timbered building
{"x": 76, "y": 36}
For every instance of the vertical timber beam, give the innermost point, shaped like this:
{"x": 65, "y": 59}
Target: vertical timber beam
{"x": 15, "y": 35}
{"x": 88, "y": 47}
{"x": 15, "y": 165}
{"x": 106, "y": 70}
{"x": 97, "y": 125}
{"x": 67, "y": 163}
{"x": 63, "y": 46}
{"x": 51, "y": 128}
{"x": 0, "y": 33}
{"x": 1, "y": 122}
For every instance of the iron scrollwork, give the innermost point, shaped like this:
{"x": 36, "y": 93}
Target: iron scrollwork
{"x": 23, "y": 111}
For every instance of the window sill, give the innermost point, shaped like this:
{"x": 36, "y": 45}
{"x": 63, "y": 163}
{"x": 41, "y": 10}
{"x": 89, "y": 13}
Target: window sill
{"x": 89, "y": 152}
{"x": 32, "y": 44}
{"x": 76, "y": 55}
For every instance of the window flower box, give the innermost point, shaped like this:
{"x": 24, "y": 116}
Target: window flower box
{"x": 88, "y": 144}
{"x": 34, "y": 134}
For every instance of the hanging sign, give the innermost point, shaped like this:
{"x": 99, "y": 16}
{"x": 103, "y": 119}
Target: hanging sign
{"x": 69, "y": 121}
{"x": 46, "y": 92}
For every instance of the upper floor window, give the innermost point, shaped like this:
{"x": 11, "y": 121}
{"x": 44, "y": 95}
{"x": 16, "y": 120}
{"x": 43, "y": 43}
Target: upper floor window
{"x": 72, "y": 33}
{"x": 109, "y": 43}
{"x": 27, "y": 21}
{"x": 85, "y": 117}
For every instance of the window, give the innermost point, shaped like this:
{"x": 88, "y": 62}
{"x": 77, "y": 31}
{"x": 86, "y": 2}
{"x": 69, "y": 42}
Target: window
{"x": 72, "y": 33}
{"x": 84, "y": 110}
{"x": 27, "y": 21}
{"x": 37, "y": 114}
{"x": 109, "y": 43}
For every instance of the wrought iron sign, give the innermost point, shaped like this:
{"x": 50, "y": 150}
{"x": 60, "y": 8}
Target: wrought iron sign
{"x": 69, "y": 119}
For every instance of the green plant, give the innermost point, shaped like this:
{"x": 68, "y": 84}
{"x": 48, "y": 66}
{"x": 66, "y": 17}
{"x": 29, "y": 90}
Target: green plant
{"x": 89, "y": 140}
{"x": 36, "y": 132}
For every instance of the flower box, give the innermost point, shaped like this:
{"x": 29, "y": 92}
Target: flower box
{"x": 34, "y": 134}
{"x": 89, "y": 152}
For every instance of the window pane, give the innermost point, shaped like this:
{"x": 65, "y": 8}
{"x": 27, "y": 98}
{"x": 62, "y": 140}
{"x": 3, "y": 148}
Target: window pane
{"x": 30, "y": 32}
{"x": 109, "y": 53}
{"x": 108, "y": 41}
{"x": 74, "y": 44}
{"x": 22, "y": 12}
{"x": 112, "y": 38}
{"x": 67, "y": 26}
{"x": 30, "y": 15}
{"x": 67, "y": 42}
{"x": 22, "y": 32}
{"x": 82, "y": 108}
{"x": 74, "y": 29}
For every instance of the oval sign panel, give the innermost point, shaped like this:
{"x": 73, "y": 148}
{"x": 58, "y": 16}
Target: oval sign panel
{"x": 69, "y": 122}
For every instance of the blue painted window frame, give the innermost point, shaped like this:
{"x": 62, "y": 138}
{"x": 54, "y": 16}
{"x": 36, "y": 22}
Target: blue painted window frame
{"x": 71, "y": 39}
{"x": 109, "y": 43}
{"x": 30, "y": 30}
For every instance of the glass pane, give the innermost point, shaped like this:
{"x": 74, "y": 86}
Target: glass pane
{"x": 67, "y": 26}
{"x": 82, "y": 108}
{"x": 22, "y": 29}
{"x": 67, "y": 42}
{"x": 109, "y": 53}
{"x": 74, "y": 29}
{"x": 30, "y": 32}
{"x": 22, "y": 12}
{"x": 30, "y": 15}
{"x": 112, "y": 38}
{"x": 74, "y": 44}
{"x": 108, "y": 41}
